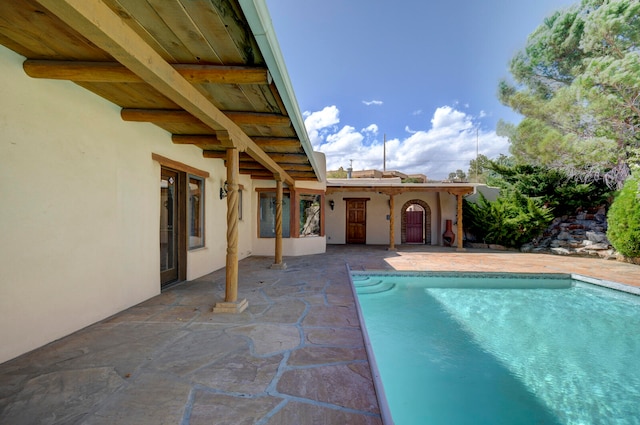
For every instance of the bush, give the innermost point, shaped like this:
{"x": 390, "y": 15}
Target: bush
{"x": 511, "y": 220}
{"x": 624, "y": 219}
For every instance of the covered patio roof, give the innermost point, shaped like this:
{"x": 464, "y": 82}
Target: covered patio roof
{"x": 208, "y": 72}
{"x": 393, "y": 186}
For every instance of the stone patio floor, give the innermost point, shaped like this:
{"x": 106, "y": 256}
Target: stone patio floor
{"x": 295, "y": 356}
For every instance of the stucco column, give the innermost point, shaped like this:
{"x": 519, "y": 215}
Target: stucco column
{"x": 231, "y": 303}
{"x": 392, "y": 220}
{"x": 278, "y": 264}
{"x": 459, "y": 227}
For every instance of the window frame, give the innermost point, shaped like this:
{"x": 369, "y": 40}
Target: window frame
{"x": 294, "y": 210}
{"x": 201, "y": 212}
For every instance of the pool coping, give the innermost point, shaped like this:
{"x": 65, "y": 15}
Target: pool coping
{"x": 383, "y": 405}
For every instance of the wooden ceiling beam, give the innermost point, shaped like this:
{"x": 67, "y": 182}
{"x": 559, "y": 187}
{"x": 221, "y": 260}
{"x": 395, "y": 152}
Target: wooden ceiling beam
{"x": 180, "y": 116}
{"x": 94, "y": 20}
{"x": 114, "y": 72}
{"x": 288, "y": 167}
{"x": 266, "y": 143}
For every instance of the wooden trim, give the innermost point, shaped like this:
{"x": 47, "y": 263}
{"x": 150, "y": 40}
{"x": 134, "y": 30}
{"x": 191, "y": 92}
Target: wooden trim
{"x": 179, "y": 166}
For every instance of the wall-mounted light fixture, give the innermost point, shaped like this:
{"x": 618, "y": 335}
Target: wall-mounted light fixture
{"x": 331, "y": 204}
{"x": 224, "y": 189}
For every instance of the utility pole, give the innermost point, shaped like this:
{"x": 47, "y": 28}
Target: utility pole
{"x": 384, "y": 153}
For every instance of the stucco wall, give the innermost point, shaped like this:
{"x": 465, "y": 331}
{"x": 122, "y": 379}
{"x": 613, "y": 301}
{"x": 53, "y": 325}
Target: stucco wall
{"x": 442, "y": 205}
{"x": 79, "y": 217}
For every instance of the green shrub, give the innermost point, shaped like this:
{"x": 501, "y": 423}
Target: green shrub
{"x": 511, "y": 220}
{"x": 624, "y": 219}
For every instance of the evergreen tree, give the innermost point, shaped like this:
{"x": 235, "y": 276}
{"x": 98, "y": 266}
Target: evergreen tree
{"x": 577, "y": 83}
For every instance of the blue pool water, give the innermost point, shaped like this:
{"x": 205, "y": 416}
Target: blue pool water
{"x": 558, "y": 352}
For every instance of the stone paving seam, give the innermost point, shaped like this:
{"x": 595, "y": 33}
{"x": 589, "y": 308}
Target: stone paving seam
{"x": 188, "y": 407}
{"x": 266, "y": 418}
{"x": 328, "y": 405}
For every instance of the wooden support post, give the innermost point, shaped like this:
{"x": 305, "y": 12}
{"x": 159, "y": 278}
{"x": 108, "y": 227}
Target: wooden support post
{"x": 278, "y": 264}
{"x": 459, "y": 227}
{"x": 392, "y": 219}
{"x": 231, "y": 303}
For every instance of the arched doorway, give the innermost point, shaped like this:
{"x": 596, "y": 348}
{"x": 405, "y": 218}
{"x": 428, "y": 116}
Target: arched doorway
{"x": 416, "y": 222}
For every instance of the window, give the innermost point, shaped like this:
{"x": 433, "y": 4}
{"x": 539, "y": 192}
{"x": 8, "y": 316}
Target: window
{"x": 195, "y": 212}
{"x": 309, "y": 215}
{"x": 268, "y": 215}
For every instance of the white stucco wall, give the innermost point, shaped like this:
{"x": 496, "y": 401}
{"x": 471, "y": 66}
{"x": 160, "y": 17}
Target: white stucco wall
{"x": 79, "y": 216}
{"x": 442, "y": 205}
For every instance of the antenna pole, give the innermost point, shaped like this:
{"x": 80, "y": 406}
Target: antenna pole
{"x": 384, "y": 153}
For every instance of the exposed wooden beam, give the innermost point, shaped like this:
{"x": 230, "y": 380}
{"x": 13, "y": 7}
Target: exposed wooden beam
{"x": 114, "y": 72}
{"x": 287, "y": 167}
{"x": 255, "y": 118}
{"x": 284, "y": 158}
{"x": 296, "y": 174}
{"x": 94, "y": 20}
{"x": 278, "y": 142}
{"x": 184, "y": 117}
{"x": 264, "y": 142}
{"x": 159, "y": 116}
{"x": 198, "y": 140}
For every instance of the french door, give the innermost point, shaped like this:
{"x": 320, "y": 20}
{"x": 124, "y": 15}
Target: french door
{"x": 172, "y": 237}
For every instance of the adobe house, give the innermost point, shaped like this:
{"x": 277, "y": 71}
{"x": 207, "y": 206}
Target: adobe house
{"x": 385, "y": 211}
{"x": 143, "y": 143}
{"x": 149, "y": 143}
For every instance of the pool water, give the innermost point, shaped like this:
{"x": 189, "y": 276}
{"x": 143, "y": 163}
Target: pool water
{"x": 557, "y": 352}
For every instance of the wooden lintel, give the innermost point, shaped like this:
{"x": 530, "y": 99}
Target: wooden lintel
{"x": 114, "y": 72}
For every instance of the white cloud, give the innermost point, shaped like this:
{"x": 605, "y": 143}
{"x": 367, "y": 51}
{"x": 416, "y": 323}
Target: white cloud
{"x": 373, "y": 129}
{"x": 372, "y": 102}
{"x": 417, "y": 112}
{"x": 446, "y": 146}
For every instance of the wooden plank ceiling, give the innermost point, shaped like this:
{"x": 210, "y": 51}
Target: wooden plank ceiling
{"x": 207, "y": 42}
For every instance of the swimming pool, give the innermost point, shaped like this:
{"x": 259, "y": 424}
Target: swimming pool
{"x": 469, "y": 348}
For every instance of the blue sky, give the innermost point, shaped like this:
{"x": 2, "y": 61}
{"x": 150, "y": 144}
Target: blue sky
{"x": 425, "y": 73}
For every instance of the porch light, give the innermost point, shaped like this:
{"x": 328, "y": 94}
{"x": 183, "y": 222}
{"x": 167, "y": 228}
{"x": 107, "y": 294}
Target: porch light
{"x": 331, "y": 204}
{"x": 223, "y": 190}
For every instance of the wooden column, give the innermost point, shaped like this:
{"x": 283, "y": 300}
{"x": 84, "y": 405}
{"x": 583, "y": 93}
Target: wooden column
{"x": 392, "y": 220}
{"x": 231, "y": 303}
{"x": 459, "y": 227}
{"x": 278, "y": 264}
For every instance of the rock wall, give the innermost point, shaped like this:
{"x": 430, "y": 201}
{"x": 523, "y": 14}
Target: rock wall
{"x": 583, "y": 234}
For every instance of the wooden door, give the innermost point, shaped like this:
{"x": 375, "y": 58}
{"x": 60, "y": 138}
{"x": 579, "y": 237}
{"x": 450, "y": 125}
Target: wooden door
{"x": 356, "y": 221}
{"x": 415, "y": 229}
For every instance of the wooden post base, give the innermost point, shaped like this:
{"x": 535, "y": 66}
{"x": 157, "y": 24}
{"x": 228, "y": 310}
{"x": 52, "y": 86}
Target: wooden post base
{"x": 279, "y": 266}
{"x": 231, "y": 307}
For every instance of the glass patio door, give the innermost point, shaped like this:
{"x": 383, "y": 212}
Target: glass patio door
{"x": 168, "y": 226}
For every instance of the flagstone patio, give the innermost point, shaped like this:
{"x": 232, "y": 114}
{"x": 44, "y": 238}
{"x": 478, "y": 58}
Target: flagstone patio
{"x": 295, "y": 356}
